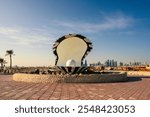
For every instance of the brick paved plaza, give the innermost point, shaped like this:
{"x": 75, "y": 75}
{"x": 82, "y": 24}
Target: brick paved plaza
{"x": 135, "y": 89}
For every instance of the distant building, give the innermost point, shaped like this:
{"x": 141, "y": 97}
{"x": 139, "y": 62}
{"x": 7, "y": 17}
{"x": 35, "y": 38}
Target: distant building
{"x": 107, "y": 63}
{"x": 96, "y": 64}
{"x": 115, "y": 64}
{"x": 85, "y": 63}
{"x": 121, "y": 64}
{"x": 111, "y": 63}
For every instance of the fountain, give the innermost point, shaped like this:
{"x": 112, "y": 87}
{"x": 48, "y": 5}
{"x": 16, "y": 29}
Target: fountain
{"x": 70, "y": 51}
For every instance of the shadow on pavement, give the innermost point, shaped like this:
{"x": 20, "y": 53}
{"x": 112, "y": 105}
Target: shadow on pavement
{"x": 134, "y": 79}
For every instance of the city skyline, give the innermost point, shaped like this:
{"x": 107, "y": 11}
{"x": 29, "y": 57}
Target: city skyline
{"x": 119, "y": 30}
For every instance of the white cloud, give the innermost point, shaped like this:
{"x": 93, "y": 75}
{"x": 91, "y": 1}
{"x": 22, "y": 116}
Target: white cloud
{"x": 25, "y": 36}
{"x": 48, "y": 34}
{"x": 112, "y": 22}
{"x": 8, "y": 31}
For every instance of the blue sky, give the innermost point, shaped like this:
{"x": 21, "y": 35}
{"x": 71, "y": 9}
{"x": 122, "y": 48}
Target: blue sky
{"x": 119, "y": 29}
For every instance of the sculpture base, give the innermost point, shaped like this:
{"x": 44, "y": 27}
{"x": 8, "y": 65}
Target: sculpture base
{"x": 85, "y": 78}
{"x": 71, "y": 70}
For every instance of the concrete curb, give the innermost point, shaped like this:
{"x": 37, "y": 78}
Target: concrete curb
{"x": 90, "y": 78}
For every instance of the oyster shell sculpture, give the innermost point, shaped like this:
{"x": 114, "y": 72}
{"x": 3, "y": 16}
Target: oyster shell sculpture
{"x": 70, "y": 51}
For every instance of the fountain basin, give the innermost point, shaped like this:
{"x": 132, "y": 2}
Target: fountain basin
{"x": 74, "y": 78}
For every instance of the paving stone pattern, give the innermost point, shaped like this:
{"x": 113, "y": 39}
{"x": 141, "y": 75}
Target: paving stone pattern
{"x": 135, "y": 89}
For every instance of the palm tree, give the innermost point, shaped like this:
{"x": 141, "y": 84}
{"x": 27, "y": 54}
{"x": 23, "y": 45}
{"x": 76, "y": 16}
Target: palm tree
{"x": 10, "y": 53}
{"x": 2, "y": 62}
